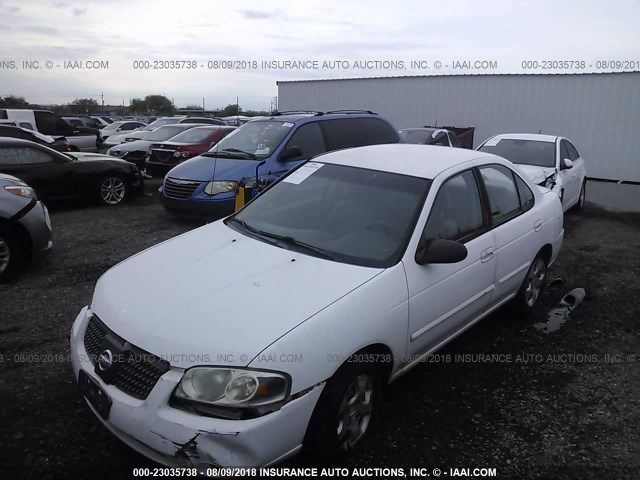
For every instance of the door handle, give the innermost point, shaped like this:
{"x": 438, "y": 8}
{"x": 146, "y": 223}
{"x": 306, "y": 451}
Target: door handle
{"x": 538, "y": 225}
{"x": 486, "y": 255}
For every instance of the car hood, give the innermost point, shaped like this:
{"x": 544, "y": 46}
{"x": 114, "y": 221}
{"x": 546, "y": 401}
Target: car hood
{"x": 202, "y": 168}
{"x": 215, "y": 296}
{"x": 536, "y": 174}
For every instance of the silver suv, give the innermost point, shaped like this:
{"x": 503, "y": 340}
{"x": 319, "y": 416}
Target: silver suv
{"x": 25, "y": 227}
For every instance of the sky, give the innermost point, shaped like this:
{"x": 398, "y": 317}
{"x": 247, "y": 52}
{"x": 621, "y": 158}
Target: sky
{"x": 256, "y": 38}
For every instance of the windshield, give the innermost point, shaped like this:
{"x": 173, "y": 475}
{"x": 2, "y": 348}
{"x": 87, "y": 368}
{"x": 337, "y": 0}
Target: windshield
{"x": 160, "y": 122}
{"x": 164, "y": 133}
{"x": 194, "y": 135}
{"x": 523, "y": 152}
{"x": 347, "y": 214}
{"x": 255, "y": 138}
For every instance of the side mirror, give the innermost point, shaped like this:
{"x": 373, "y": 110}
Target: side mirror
{"x": 212, "y": 144}
{"x": 567, "y": 163}
{"x": 289, "y": 153}
{"x": 440, "y": 251}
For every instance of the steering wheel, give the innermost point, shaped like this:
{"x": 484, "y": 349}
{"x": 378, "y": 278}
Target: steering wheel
{"x": 385, "y": 228}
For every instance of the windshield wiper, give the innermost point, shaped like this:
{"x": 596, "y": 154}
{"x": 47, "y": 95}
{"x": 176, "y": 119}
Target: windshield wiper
{"x": 289, "y": 240}
{"x": 292, "y": 241}
{"x": 231, "y": 152}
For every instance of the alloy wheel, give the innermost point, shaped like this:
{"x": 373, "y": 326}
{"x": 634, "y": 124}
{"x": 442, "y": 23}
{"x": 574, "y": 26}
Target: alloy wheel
{"x": 354, "y": 413}
{"x": 112, "y": 190}
{"x": 535, "y": 282}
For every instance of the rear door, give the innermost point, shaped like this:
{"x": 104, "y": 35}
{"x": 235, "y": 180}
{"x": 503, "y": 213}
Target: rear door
{"x": 516, "y": 228}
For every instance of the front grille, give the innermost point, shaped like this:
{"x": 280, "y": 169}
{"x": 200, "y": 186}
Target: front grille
{"x": 179, "y": 188}
{"x": 163, "y": 154}
{"x": 134, "y": 370}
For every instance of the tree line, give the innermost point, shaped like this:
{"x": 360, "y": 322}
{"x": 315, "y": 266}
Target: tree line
{"x": 156, "y": 105}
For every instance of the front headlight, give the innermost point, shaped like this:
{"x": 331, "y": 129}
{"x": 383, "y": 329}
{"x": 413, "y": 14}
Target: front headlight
{"x": 22, "y": 191}
{"x": 213, "y": 188}
{"x": 232, "y": 387}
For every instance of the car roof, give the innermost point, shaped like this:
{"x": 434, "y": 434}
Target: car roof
{"x": 425, "y": 161}
{"x": 526, "y": 136}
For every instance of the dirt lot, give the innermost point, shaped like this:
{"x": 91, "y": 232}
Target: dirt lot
{"x": 568, "y": 407}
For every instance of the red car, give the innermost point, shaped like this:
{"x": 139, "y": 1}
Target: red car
{"x": 190, "y": 143}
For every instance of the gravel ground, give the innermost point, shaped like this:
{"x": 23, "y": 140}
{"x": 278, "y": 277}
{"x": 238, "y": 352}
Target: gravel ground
{"x": 567, "y": 407}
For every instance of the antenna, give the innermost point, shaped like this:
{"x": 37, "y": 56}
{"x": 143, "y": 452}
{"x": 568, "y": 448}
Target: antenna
{"x": 540, "y": 131}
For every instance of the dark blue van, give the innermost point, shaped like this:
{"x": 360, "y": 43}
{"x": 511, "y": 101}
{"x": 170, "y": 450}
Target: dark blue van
{"x": 263, "y": 150}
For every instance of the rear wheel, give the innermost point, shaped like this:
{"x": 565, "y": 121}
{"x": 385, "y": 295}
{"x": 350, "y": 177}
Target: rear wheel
{"x": 582, "y": 197}
{"x": 345, "y": 411}
{"x": 10, "y": 254}
{"x": 532, "y": 286}
{"x": 112, "y": 190}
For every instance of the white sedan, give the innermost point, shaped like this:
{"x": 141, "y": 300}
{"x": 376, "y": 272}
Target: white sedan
{"x": 275, "y": 329}
{"x": 548, "y": 160}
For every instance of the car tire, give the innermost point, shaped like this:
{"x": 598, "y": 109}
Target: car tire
{"x": 582, "y": 197}
{"x": 11, "y": 255}
{"x": 532, "y": 286}
{"x": 113, "y": 189}
{"x": 343, "y": 416}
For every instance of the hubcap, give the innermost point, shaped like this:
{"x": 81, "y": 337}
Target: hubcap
{"x": 354, "y": 414}
{"x": 112, "y": 190}
{"x": 535, "y": 281}
{"x": 5, "y": 255}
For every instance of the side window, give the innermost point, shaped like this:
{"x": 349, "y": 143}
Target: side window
{"x": 456, "y": 212}
{"x": 573, "y": 153}
{"x": 357, "y": 132}
{"x": 309, "y": 138}
{"x": 23, "y": 156}
{"x": 129, "y": 126}
{"x": 46, "y": 122}
{"x": 441, "y": 139}
{"x": 502, "y": 192}
{"x": 526, "y": 195}
{"x": 26, "y": 125}
{"x": 564, "y": 152}
{"x": 454, "y": 140}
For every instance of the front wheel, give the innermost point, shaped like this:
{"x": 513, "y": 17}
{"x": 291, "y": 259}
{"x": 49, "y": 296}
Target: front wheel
{"x": 532, "y": 286}
{"x": 112, "y": 190}
{"x": 345, "y": 411}
{"x": 10, "y": 254}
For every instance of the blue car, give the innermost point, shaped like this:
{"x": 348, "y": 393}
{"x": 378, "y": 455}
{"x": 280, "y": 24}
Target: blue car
{"x": 261, "y": 151}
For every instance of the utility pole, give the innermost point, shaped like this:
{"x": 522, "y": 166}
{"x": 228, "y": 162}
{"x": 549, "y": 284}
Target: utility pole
{"x": 237, "y": 112}
{"x": 202, "y": 105}
{"x": 102, "y": 100}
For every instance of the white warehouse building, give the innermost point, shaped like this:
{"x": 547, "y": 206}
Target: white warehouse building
{"x": 598, "y": 112}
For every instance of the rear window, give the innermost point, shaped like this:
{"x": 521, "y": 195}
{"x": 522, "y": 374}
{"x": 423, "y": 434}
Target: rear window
{"x": 523, "y": 152}
{"x": 164, "y": 133}
{"x": 357, "y": 132}
{"x": 194, "y": 135}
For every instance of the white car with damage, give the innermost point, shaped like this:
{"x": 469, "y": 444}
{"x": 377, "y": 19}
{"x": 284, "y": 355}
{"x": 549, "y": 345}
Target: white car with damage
{"x": 274, "y": 330}
{"x": 548, "y": 160}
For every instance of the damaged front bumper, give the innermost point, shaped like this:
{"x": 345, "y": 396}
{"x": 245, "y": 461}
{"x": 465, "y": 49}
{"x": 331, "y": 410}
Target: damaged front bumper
{"x": 174, "y": 437}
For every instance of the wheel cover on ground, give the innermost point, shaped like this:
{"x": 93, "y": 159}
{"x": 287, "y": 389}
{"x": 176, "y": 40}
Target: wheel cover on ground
{"x": 535, "y": 281}
{"x": 354, "y": 413}
{"x": 112, "y": 190}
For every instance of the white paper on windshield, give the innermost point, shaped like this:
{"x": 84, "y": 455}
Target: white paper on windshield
{"x": 492, "y": 142}
{"x": 303, "y": 173}
{"x": 287, "y": 124}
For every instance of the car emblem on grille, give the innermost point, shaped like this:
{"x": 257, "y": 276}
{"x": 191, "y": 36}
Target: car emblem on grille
{"x": 105, "y": 360}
